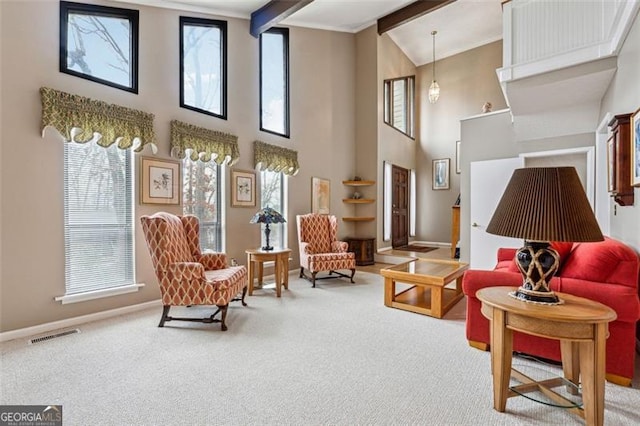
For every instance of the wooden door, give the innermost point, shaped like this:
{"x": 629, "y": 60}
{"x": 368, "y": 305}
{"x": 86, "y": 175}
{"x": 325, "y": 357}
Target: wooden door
{"x": 399, "y": 206}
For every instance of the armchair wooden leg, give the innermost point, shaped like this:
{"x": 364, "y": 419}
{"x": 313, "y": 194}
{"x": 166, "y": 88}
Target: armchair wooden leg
{"x": 165, "y": 315}
{"x": 313, "y": 279}
{"x": 353, "y": 272}
{"x": 244, "y": 293}
{"x": 301, "y": 272}
{"x": 223, "y": 316}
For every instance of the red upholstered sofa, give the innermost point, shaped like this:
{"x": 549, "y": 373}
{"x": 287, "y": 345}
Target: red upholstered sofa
{"x": 606, "y": 272}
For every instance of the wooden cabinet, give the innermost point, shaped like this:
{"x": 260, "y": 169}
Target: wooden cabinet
{"x": 455, "y": 229}
{"x": 363, "y": 248}
{"x": 358, "y": 201}
{"x": 619, "y": 160}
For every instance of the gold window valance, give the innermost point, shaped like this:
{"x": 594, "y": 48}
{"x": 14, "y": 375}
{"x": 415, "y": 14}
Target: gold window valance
{"x": 275, "y": 158}
{"x": 203, "y": 144}
{"x": 80, "y": 119}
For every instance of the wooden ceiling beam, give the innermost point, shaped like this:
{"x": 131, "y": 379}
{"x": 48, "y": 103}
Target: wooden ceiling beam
{"x": 409, "y": 13}
{"x": 273, "y": 12}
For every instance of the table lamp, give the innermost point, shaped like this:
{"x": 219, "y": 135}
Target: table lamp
{"x": 540, "y": 205}
{"x": 267, "y": 216}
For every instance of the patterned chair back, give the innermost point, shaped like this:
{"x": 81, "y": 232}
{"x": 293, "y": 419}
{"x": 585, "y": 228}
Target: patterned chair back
{"x": 168, "y": 239}
{"x": 318, "y": 230}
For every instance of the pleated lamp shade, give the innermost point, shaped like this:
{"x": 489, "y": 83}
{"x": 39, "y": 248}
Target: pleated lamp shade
{"x": 545, "y": 204}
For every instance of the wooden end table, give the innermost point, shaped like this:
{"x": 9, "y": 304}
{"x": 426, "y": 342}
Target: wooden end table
{"x": 281, "y": 272}
{"x": 580, "y": 324}
{"x": 428, "y": 296}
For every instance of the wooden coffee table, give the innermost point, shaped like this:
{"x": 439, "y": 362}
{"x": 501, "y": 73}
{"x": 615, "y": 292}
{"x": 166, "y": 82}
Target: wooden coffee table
{"x": 428, "y": 295}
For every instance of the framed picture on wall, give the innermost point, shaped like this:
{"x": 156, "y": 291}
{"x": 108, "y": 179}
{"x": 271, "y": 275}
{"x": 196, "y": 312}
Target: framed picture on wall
{"x": 441, "y": 173}
{"x": 160, "y": 181}
{"x": 243, "y": 188}
{"x": 320, "y": 195}
{"x": 635, "y": 148}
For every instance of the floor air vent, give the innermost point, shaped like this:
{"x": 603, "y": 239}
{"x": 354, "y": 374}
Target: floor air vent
{"x": 53, "y": 336}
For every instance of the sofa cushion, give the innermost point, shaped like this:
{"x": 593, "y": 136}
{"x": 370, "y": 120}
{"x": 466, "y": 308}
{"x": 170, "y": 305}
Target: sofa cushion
{"x": 608, "y": 261}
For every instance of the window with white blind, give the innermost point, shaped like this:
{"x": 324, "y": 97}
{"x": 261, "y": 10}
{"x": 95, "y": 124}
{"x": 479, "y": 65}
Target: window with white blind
{"x": 399, "y": 101}
{"x": 98, "y": 218}
{"x": 273, "y": 194}
{"x": 201, "y": 196}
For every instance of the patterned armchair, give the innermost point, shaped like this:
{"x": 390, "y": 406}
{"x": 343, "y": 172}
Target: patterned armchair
{"x": 319, "y": 248}
{"x": 186, "y": 276}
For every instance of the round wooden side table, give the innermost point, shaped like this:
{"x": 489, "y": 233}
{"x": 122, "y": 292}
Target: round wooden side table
{"x": 580, "y": 324}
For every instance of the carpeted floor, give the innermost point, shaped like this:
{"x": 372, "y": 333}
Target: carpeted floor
{"x": 416, "y": 248}
{"x": 330, "y": 355}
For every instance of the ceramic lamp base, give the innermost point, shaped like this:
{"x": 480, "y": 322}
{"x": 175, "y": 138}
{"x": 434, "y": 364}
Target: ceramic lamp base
{"x": 538, "y": 263}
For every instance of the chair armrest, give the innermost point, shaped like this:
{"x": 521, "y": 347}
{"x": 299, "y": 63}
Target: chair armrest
{"x": 506, "y": 254}
{"x": 186, "y": 271}
{"x": 306, "y": 248}
{"x": 622, "y": 299}
{"x": 213, "y": 261}
{"x": 340, "y": 246}
{"x": 476, "y": 279}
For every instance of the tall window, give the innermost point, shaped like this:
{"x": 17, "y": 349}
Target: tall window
{"x": 98, "y": 217}
{"x": 273, "y": 192}
{"x": 399, "y": 102}
{"x": 203, "y": 66}
{"x": 201, "y": 196}
{"x": 274, "y": 81}
{"x": 100, "y": 44}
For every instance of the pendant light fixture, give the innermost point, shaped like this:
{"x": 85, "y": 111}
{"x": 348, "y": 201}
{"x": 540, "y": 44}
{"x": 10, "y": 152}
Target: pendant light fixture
{"x": 434, "y": 89}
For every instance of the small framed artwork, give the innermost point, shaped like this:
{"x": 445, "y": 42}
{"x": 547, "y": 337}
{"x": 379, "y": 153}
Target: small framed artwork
{"x": 441, "y": 173}
{"x": 458, "y": 170}
{"x": 243, "y": 188}
{"x": 159, "y": 181}
{"x": 635, "y": 148}
{"x": 320, "y": 195}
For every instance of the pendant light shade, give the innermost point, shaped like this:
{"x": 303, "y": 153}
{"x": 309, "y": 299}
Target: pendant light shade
{"x": 434, "y": 89}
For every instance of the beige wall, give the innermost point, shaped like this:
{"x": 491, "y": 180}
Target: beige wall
{"x": 493, "y": 137}
{"x": 322, "y": 130}
{"x": 393, "y": 146}
{"x": 623, "y": 96}
{"x": 366, "y": 118}
{"x": 467, "y": 81}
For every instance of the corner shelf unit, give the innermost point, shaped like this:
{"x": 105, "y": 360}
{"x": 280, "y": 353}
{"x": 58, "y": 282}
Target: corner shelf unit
{"x": 357, "y": 183}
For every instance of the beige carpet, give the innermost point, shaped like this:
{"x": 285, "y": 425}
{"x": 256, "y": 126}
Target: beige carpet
{"x": 330, "y": 355}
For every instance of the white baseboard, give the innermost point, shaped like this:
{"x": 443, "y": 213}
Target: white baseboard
{"x": 71, "y": 322}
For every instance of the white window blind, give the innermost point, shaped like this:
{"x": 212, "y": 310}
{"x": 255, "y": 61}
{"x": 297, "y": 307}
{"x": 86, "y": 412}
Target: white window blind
{"x": 201, "y": 196}
{"x": 273, "y": 194}
{"x": 98, "y": 217}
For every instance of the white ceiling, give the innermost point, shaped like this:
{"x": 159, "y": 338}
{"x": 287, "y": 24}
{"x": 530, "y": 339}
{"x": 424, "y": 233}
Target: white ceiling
{"x": 461, "y": 25}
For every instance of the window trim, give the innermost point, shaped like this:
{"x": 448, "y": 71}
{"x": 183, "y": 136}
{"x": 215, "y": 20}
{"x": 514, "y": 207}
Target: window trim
{"x": 132, "y": 15}
{"x": 409, "y": 107}
{"x": 222, "y": 25}
{"x": 287, "y": 101}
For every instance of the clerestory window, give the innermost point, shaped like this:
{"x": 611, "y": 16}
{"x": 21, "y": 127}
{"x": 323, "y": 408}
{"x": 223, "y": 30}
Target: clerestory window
{"x": 399, "y": 104}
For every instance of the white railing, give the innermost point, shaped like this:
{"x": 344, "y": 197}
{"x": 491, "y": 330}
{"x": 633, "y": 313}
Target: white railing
{"x": 545, "y": 35}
